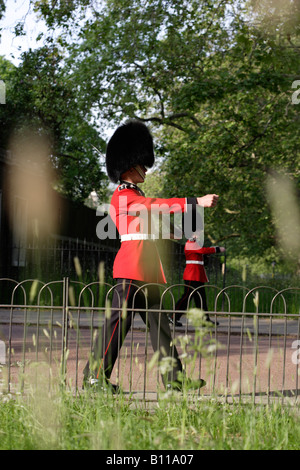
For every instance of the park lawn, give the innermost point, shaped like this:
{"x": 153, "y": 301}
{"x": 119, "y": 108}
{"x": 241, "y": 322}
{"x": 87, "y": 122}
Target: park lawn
{"x": 88, "y": 422}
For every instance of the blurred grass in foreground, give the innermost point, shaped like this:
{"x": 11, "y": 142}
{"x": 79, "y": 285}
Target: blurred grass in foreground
{"x": 284, "y": 203}
{"x": 90, "y": 422}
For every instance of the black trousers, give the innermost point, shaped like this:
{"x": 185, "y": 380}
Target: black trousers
{"x": 117, "y": 325}
{"x": 197, "y": 296}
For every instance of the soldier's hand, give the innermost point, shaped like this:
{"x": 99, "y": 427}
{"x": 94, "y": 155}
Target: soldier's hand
{"x": 210, "y": 200}
{"x": 222, "y": 249}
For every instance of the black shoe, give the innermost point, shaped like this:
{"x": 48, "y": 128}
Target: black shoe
{"x": 100, "y": 385}
{"x": 186, "y": 384}
{"x": 174, "y": 322}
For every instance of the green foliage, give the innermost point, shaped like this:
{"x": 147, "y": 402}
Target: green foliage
{"x": 214, "y": 82}
{"x": 153, "y": 185}
{"x": 42, "y": 97}
{"x": 2, "y": 8}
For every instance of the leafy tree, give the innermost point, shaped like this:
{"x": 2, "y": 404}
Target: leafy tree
{"x": 214, "y": 81}
{"x": 42, "y": 97}
{"x": 2, "y": 8}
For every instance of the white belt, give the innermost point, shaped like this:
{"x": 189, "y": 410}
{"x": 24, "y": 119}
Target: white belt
{"x": 194, "y": 262}
{"x": 137, "y": 236}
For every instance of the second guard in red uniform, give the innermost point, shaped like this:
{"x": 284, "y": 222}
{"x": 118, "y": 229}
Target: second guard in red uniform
{"x": 194, "y": 277}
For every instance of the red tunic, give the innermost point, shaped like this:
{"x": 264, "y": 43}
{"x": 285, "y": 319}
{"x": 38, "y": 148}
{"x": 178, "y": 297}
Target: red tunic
{"x": 139, "y": 259}
{"x": 194, "y": 252}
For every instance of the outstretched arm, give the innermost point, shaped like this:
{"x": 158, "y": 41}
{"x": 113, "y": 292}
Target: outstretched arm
{"x": 210, "y": 200}
{"x": 164, "y": 205}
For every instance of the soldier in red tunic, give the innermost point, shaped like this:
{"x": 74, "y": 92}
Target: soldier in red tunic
{"x": 129, "y": 154}
{"x": 195, "y": 277}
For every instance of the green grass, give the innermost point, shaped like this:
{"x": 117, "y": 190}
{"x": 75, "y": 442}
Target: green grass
{"x": 39, "y": 420}
{"x": 86, "y": 422}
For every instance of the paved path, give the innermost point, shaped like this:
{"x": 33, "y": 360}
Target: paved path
{"x": 289, "y": 326}
{"x": 149, "y": 400}
{"x": 222, "y": 368}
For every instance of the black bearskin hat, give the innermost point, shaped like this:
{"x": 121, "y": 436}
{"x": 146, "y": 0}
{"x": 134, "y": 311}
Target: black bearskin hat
{"x": 130, "y": 145}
